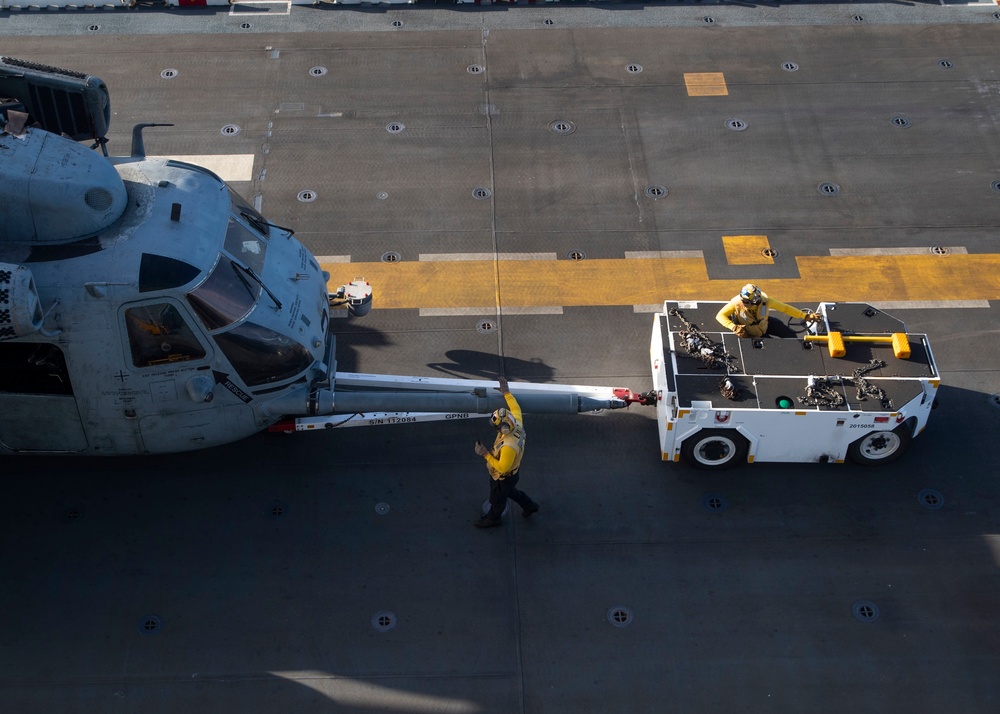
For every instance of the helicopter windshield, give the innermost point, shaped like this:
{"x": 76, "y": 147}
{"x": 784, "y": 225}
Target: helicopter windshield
{"x": 261, "y": 356}
{"x": 242, "y": 208}
{"x": 245, "y": 245}
{"x": 226, "y": 295}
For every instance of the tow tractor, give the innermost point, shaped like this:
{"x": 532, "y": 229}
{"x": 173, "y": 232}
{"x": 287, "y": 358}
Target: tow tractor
{"x": 855, "y": 386}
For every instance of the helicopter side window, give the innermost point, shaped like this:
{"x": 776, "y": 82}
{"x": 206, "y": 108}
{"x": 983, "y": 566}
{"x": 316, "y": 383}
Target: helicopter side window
{"x": 33, "y": 368}
{"x": 157, "y": 272}
{"x": 227, "y": 295}
{"x": 261, "y": 356}
{"x": 158, "y": 335}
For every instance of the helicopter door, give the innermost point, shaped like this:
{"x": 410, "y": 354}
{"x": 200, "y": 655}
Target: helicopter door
{"x": 38, "y": 411}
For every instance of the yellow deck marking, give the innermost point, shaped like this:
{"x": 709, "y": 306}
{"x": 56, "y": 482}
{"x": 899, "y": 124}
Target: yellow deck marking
{"x": 568, "y": 283}
{"x": 746, "y": 250}
{"x": 706, "y": 84}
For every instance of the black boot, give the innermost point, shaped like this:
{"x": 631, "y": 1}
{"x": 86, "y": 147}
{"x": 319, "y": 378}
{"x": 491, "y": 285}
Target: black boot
{"x": 486, "y": 522}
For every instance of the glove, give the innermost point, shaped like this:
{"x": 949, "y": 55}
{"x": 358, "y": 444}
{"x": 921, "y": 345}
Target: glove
{"x": 480, "y": 449}
{"x": 812, "y": 317}
{"x": 503, "y": 388}
{"x": 740, "y": 330}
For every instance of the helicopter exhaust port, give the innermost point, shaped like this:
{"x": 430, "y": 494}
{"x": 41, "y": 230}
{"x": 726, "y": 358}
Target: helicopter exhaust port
{"x": 356, "y": 295}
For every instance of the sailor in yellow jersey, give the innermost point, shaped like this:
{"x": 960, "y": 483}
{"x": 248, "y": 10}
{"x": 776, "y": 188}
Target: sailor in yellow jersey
{"x": 503, "y": 461}
{"x": 748, "y": 314}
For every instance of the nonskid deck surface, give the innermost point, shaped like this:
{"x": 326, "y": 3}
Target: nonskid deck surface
{"x": 513, "y": 218}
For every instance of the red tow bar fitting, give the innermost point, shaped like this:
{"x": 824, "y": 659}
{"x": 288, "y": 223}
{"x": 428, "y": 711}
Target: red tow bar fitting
{"x": 646, "y": 399}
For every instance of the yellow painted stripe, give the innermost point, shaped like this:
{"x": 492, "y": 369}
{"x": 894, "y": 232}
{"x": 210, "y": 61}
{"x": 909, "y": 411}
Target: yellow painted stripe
{"x": 746, "y": 250}
{"x": 705, "y": 84}
{"x": 571, "y": 283}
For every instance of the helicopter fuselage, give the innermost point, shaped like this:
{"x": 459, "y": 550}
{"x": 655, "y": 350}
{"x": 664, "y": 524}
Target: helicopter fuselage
{"x": 184, "y": 321}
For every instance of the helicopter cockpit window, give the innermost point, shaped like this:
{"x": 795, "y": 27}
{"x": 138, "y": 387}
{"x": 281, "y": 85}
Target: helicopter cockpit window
{"x": 158, "y": 335}
{"x": 242, "y": 208}
{"x": 157, "y": 272}
{"x": 261, "y": 356}
{"x": 245, "y": 245}
{"x": 227, "y": 295}
{"x": 33, "y": 368}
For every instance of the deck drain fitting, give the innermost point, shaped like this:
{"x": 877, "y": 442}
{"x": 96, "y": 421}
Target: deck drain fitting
{"x": 714, "y": 503}
{"x": 475, "y": 69}
{"x": 384, "y": 621}
{"x": 929, "y": 498}
{"x": 381, "y": 508}
{"x": 93, "y": 28}
{"x": 549, "y": 22}
{"x": 486, "y": 327}
{"x": 561, "y": 126}
{"x": 395, "y": 127}
{"x": 382, "y": 195}
{"x": 900, "y": 121}
{"x": 230, "y": 130}
{"x": 656, "y": 191}
{"x": 481, "y": 193}
{"x": 828, "y": 189}
{"x": 789, "y": 66}
{"x": 737, "y": 124}
{"x": 169, "y": 73}
{"x": 865, "y": 611}
{"x": 391, "y": 256}
{"x": 307, "y": 196}
{"x": 620, "y": 616}
{"x": 278, "y": 509}
{"x": 317, "y": 71}
{"x": 858, "y": 18}
{"x": 946, "y": 64}
{"x": 576, "y": 255}
{"x": 71, "y": 515}
{"x": 939, "y": 250}
{"x": 769, "y": 252}
{"x": 994, "y": 399}
{"x": 245, "y": 26}
{"x": 397, "y": 23}
{"x": 633, "y": 68}
{"x": 150, "y": 625}
{"x": 708, "y": 19}
{"x": 995, "y": 185}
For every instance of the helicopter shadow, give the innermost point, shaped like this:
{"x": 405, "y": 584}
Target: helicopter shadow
{"x": 487, "y": 365}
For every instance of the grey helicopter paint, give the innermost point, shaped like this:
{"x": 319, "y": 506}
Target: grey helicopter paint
{"x": 145, "y": 307}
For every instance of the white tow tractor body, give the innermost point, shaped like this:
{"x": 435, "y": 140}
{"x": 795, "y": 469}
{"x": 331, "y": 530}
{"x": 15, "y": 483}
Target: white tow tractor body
{"x": 722, "y": 399}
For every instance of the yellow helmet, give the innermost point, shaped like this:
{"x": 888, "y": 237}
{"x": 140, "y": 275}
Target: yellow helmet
{"x": 503, "y": 420}
{"x": 750, "y": 294}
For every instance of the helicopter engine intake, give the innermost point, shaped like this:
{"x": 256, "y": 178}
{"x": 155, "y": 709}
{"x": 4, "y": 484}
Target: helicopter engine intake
{"x": 20, "y": 308}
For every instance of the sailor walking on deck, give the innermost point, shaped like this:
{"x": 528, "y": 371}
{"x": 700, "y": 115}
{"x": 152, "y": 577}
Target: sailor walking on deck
{"x": 748, "y": 314}
{"x": 503, "y": 461}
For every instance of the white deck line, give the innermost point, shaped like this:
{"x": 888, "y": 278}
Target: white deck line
{"x": 333, "y": 259}
{"x": 429, "y": 257}
{"x": 646, "y": 254}
{"x": 929, "y": 304}
{"x": 489, "y": 311}
{"x": 229, "y": 167}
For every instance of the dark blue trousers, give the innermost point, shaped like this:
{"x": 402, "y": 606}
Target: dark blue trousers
{"x": 503, "y": 489}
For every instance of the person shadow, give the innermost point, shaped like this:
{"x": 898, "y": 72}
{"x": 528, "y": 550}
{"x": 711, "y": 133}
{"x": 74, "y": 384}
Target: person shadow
{"x": 487, "y": 365}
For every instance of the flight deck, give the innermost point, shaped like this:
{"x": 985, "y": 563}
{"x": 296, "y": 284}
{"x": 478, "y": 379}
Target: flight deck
{"x": 524, "y": 187}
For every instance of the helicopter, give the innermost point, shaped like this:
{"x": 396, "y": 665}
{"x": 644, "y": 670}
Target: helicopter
{"x": 146, "y": 307}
